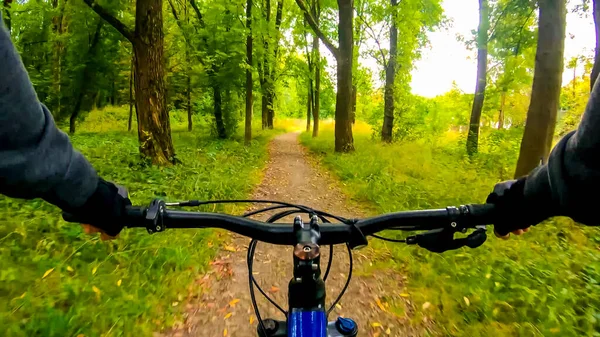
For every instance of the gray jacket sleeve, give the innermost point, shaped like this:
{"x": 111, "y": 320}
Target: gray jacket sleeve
{"x": 570, "y": 181}
{"x": 37, "y": 160}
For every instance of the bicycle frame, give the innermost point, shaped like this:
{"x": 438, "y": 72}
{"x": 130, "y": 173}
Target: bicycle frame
{"x": 307, "y": 316}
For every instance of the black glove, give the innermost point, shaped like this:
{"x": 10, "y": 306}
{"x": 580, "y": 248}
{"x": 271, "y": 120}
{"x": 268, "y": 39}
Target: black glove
{"x": 514, "y": 210}
{"x": 105, "y": 209}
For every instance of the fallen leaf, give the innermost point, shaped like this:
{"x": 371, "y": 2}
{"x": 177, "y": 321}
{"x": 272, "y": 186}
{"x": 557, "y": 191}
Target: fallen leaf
{"x": 175, "y": 304}
{"x": 251, "y": 319}
{"x": 230, "y": 248}
{"x": 339, "y": 306}
{"x": 97, "y": 291}
{"x": 94, "y": 270}
{"x": 388, "y": 331}
{"x": 555, "y": 330}
{"x": 119, "y": 283}
{"x": 23, "y": 296}
{"x": 404, "y": 295}
{"x": 224, "y": 332}
{"x": 233, "y": 302}
{"x": 426, "y": 305}
{"x": 273, "y": 289}
{"x": 47, "y": 272}
{"x": 69, "y": 268}
{"x": 376, "y": 325}
{"x": 488, "y": 275}
{"x": 378, "y": 301}
{"x": 228, "y": 315}
{"x": 376, "y": 334}
{"x": 467, "y": 302}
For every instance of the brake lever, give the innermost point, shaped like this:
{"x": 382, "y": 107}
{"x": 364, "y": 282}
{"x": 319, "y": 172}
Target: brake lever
{"x": 442, "y": 239}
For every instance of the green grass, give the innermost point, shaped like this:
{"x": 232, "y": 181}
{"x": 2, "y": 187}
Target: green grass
{"x": 545, "y": 283}
{"x": 131, "y": 286}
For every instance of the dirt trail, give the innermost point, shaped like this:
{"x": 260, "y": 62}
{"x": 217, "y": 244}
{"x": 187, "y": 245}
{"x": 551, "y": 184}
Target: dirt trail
{"x": 224, "y": 307}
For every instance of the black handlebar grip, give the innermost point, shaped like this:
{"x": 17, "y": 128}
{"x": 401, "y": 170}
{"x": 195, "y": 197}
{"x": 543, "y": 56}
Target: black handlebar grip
{"x": 134, "y": 217}
{"x": 68, "y": 217}
{"x": 482, "y": 214}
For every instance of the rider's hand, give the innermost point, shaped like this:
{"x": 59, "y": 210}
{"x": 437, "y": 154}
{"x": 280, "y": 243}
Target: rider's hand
{"x": 89, "y": 229}
{"x": 516, "y": 213}
{"x": 104, "y": 211}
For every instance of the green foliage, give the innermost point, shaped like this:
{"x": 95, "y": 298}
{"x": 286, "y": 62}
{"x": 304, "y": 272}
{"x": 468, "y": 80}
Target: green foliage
{"x": 57, "y": 281}
{"x": 542, "y": 284}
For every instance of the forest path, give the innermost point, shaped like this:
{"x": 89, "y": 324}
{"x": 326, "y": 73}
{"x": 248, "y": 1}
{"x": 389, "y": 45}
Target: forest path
{"x": 224, "y": 308}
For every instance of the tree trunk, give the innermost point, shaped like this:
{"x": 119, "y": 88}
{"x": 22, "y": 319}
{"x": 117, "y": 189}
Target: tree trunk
{"x": 344, "y": 142}
{"x": 390, "y": 79}
{"x": 264, "y": 110}
{"x": 545, "y": 94}
{"x": 154, "y": 127}
{"x": 316, "y": 93}
{"x": 85, "y": 78}
{"x": 131, "y": 100}
{"x": 482, "y": 41}
{"x": 596, "y": 68}
{"x": 264, "y": 81}
{"x": 501, "y": 112}
{"x": 309, "y": 104}
{"x": 189, "y": 100}
{"x": 248, "y": 129}
{"x": 218, "y": 111}
{"x": 271, "y": 74}
{"x": 58, "y": 29}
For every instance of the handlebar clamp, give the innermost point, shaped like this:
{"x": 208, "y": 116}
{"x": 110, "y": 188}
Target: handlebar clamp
{"x": 154, "y": 216}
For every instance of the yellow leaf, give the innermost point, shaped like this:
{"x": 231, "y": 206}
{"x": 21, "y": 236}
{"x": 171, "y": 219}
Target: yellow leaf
{"x": 96, "y": 290}
{"x": 224, "y": 332}
{"x": 388, "y": 331}
{"x": 175, "y": 304}
{"x": 81, "y": 335}
{"x": 426, "y": 305}
{"x": 251, "y": 319}
{"x": 228, "y": 315}
{"x": 47, "y": 272}
{"x": 379, "y": 304}
{"x": 23, "y": 296}
{"x": 376, "y": 325}
{"x": 119, "y": 283}
{"x": 555, "y": 330}
{"x": 233, "y": 302}
{"x": 405, "y": 295}
{"x": 94, "y": 270}
{"x": 467, "y": 302}
{"x": 339, "y": 306}
{"x": 69, "y": 268}
{"x": 488, "y": 275}
{"x": 229, "y": 248}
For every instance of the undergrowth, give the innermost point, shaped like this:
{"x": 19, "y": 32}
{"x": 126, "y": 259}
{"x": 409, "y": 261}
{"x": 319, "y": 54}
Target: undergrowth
{"x": 545, "y": 283}
{"x": 57, "y": 281}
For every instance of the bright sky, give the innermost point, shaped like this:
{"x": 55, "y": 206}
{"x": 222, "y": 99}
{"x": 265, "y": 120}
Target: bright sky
{"x": 448, "y": 60}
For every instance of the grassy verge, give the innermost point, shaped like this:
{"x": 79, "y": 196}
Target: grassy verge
{"x": 56, "y": 281}
{"x": 545, "y": 283}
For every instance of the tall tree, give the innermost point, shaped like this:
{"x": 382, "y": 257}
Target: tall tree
{"x": 390, "y": 78}
{"x": 316, "y": 93}
{"x": 482, "y": 41}
{"x": 264, "y": 67}
{"x": 147, "y": 39}
{"x": 596, "y": 68}
{"x": 543, "y": 108}
{"x": 85, "y": 77}
{"x": 344, "y": 142}
{"x": 248, "y": 129}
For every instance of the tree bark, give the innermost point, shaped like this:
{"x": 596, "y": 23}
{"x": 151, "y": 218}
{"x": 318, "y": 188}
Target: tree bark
{"x": 248, "y": 129}
{"x": 154, "y": 127}
{"x": 545, "y": 94}
{"x": 596, "y": 68}
{"x": 189, "y": 101}
{"x": 501, "y": 112}
{"x": 316, "y": 93}
{"x": 264, "y": 70}
{"x": 309, "y": 104}
{"x": 482, "y": 41}
{"x": 218, "y": 112}
{"x": 344, "y": 142}
{"x": 270, "y": 75}
{"x": 58, "y": 29}
{"x": 131, "y": 100}
{"x": 390, "y": 79}
{"x": 85, "y": 78}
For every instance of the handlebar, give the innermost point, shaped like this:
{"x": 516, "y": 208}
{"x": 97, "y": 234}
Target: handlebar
{"x": 156, "y": 218}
